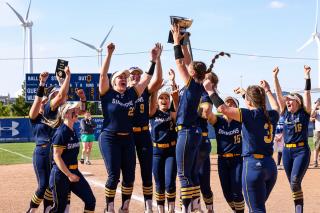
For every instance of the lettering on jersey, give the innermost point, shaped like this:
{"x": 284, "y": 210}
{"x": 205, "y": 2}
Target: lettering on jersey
{"x": 160, "y": 120}
{"x": 140, "y": 100}
{"x": 73, "y": 145}
{"x": 296, "y": 120}
{"x": 232, "y": 132}
{"x": 128, "y": 104}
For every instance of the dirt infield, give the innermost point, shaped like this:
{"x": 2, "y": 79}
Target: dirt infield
{"x": 18, "y": 182}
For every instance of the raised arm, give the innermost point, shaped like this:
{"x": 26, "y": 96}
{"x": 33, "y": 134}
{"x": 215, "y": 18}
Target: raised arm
{"x": 83, "y": 107}
{"x": 175, "y": 100}
{"x": 307, "y": 94}
{"x": 104, "y": 84}
{"x": 146, "y": 77}
{"x": 34, "y": 111}
{"x": 277, "y": 87}
{"x": 179, "y": 57}
{"x": 153, "y": 104}
{"x": 156, "y": 80}
{"x": 185, "y": 51}
{"x": 63, "y": 92}
{"x": 230, "y": 112}
{"x": 274, "y": 105}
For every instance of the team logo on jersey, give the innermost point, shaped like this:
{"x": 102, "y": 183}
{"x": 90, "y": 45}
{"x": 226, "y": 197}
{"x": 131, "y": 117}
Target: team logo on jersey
{"x": 12, "y": 128}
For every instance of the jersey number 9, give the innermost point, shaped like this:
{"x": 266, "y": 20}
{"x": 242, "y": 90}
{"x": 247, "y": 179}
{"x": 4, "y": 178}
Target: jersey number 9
{"x": 141, "y": 108}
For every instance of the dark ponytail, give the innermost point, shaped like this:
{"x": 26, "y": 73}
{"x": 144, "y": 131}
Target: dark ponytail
{"x": 215, "y": 58}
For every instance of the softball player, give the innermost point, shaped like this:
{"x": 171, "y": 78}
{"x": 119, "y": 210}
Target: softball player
{"x": 259, "y": 172}
{"x": 65, "y": 176}
{"x": 189, "y": 132}
{"x": 229, "y": 148}
{"x": 116, "y": 140}
{"x": 296, "y": 152}
{"x": 163, "y": 134}
{"x": 40, "y": 158}
{"x": 141, "y": 133}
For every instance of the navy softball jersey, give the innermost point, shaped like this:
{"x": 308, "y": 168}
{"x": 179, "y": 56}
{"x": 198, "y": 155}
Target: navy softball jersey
{"x": 141, "y": 111}
{"x": 162, "y": 127}
{"x": 67, "y": 139}
{"x": 41, "y": 131}
{"x": 229, "y": 139}
{"x": 257, "y": 140}
{"x": 295, "y": 127}
{"x": 189, "y": 99}
{"x": 118, "y": 107}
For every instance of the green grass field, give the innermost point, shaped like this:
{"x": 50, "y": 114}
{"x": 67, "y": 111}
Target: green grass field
{"x": 26, "y": 149}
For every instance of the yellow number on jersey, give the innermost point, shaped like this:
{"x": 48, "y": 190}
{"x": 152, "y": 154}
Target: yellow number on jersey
{"x": 297, "y": 127}
{"x": 237, "y": 139}
{"x": 141, "y": 108}
{"x": 268, "y": 138}
{"x": 130, "y": 112}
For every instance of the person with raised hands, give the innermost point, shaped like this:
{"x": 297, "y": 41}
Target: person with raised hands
{"x": 141, "y": 133}
{"x": 259, "y": 171}
{"x": 41, "y": 155}
{"x": 116, "y": 139}
{"x": 189, "y": 131}
{"x": 296, "y": 152}
{"x": 163, "y": 134}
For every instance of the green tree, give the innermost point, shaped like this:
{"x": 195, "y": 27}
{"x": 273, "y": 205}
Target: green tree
{"x": 20, "y": 107}
{"x": 5, "y": 110}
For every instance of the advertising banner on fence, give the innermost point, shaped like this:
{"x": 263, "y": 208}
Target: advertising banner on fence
{"x": 20, "y": 130}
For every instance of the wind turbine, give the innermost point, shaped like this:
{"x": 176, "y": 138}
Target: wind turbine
{"x": 315, "y": 36}
{"x": 98, "y": 49}
{"x": 26, "y": 24}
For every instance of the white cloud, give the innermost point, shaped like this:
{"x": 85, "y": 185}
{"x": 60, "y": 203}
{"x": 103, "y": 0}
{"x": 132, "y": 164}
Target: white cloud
{"x": 277, "y": 5}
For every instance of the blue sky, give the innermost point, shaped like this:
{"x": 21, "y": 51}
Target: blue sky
{"x": 260, "y": 27}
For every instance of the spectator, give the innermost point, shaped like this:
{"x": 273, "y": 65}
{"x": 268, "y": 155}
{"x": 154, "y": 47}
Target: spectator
{"x": 315, "y": 115}
{"x": 87, "y": 126}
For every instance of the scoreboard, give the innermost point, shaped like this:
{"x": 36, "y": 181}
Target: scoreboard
{"x": 89, "y": 82}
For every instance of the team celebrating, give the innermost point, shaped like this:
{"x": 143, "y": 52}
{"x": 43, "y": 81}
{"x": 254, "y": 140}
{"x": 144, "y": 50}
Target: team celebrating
{"x": 166, "y": 128}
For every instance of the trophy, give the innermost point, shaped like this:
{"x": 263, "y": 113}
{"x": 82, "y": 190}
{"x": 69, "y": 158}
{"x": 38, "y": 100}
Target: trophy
{"x": 61, "y": 64}
{"x": 184, "y": 24}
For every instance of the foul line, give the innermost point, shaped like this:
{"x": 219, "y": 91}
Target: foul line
{"x": 134, "y": 197}
{"x": 16, "y": 153}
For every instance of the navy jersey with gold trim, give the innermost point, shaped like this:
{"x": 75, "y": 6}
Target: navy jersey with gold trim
{"x": 189, "y": 99}
{"x": 48, "y": 113}
{"x": 257, "y": 135}
{"x": 67, "y": 139}
{"x": 162, "y": 127}
{"x": 295, "y": 128}
{"x": 228, "y": 136}
{"x": 118, "y": 110}
{"x": 141, "y": 111}
{"x": 203, "y": 122}
{"x": 41, "y": 131}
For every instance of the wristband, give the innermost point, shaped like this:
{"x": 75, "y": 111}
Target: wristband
{"x": 40, "y": 91}
{"x": 244, "y": 96}
{"x": 152, "y": 68}
{"x": 42, "y": 83}
{"x": 216, "y": 100}
{"x": 308, "y": 84}
{"x": 178, "y": 54}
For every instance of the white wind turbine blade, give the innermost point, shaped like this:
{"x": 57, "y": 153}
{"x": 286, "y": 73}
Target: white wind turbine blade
{"x": 317, "y": 14}
{"x": 104, "y": 40}
{"x": 27, "y": 15}
{"x": 17, "y": 14}
{"x": 84, "y": 43}
{"x": 305, "y": 44}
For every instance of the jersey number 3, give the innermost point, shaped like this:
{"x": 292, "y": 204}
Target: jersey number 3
{"x": 268, "y": 138}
